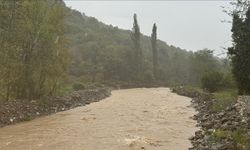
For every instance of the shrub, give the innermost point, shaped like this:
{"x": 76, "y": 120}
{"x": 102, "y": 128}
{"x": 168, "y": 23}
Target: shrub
{"x": 228, "y": 81}
{"x": 78, "y": 86}
{"x": 212, "y": 81}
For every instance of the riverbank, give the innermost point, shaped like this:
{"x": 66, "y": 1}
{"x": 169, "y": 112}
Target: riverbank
{"x": 224, "y": 129}
{"x": 15, "y": 111}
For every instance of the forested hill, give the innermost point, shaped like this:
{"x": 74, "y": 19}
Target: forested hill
{"x": 39, "y": 36}
{"x": 103, "y": 53}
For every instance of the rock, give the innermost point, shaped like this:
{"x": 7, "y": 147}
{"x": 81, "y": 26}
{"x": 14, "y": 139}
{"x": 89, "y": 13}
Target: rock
{"x": 208, "y": 125}
{"x": 235, "y": 117}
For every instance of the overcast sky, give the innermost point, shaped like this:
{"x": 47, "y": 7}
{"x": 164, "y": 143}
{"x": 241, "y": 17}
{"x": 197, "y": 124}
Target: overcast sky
{"x": 191, "y": 25}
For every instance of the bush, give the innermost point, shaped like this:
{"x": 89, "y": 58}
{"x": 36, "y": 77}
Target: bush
{"x": 78, "y": 86}
{"x": 212, "y": 81}
{"x": 228, "y": 81}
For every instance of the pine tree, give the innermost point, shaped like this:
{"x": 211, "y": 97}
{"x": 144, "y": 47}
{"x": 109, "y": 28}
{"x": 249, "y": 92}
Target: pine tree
{"x": 154, "y": 50}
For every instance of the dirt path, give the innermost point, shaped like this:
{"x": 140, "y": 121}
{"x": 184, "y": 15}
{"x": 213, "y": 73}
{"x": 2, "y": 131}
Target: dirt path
{"x": 133, "y": 119}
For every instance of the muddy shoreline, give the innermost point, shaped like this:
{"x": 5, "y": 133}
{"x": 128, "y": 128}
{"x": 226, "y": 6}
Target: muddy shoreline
{"x": 14, "y": 111}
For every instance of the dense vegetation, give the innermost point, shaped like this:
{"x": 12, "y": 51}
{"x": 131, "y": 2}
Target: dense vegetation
{"x": 240, "y": 51}
{"x": 40, "y": 38}
{"x": 33, "y": 52}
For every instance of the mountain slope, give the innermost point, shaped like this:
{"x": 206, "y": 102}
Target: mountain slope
{"x": 102, "y": 52}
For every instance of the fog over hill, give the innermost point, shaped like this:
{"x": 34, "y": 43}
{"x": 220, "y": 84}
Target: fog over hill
{"x": 110, "y": 50}
{"x": 191, "y": 25}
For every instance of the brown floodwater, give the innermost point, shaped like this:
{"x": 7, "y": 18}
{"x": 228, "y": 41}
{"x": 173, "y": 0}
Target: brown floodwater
{"x": 132, "y": 119}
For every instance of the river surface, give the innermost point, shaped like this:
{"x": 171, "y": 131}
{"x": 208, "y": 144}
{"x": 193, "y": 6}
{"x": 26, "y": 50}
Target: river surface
{"x": 131, "y": 119}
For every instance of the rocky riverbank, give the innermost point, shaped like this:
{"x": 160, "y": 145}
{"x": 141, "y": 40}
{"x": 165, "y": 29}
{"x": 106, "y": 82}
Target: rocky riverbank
{"x": 227, "y": 129}
{"x": 14, "y": 111}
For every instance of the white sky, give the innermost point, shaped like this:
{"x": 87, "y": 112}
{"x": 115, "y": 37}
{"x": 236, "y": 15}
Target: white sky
{"x": 191, "y": 25}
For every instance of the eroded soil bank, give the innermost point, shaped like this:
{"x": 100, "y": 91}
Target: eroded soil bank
{"x": 153, "y": 119}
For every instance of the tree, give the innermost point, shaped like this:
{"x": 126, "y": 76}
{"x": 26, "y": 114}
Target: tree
{"x": 137, "y": 46}
{"x": 33, "y": 52}
{"x": 154, "y": 50}
{"x": 202, "y": 62}
{"x": 239, "y": 52}
{"x": 8, "y": 54}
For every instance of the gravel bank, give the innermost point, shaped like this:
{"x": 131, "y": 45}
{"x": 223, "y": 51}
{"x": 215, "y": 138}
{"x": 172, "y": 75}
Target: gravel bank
{"x": 15, "y": 111}
{"x": 228, "y": 129}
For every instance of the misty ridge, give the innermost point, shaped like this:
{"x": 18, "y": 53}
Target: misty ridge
{"x": 54, "y": 58}
{"x": 93, "y": 43}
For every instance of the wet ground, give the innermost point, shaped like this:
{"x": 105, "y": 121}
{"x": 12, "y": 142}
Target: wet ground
{"x": 133, "y": 119}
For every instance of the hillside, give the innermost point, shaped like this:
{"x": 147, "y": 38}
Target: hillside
{"x": 64, "y": 48}
{"x": 103, "y": 52}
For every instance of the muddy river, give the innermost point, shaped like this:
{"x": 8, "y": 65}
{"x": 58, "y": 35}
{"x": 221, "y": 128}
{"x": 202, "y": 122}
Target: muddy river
{"x": 132, "y": 119}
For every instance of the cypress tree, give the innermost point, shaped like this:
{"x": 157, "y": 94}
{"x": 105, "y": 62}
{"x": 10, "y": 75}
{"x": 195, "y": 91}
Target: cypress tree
{"x": 137, "y": 46}
{"x": 154, "y": 50}
{"x": 240, "y": 52}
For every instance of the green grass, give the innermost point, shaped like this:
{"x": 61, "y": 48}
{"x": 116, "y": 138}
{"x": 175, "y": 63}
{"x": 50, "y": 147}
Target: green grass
{"x": 223, "y": 99}
{"x": 239, "y": 136}
{"x": 226, "y": 94}
{"x": 220, "y": 134}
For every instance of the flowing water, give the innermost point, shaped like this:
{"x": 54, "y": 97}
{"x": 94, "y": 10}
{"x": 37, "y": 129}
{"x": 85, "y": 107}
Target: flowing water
{"x": 133, "y": 119}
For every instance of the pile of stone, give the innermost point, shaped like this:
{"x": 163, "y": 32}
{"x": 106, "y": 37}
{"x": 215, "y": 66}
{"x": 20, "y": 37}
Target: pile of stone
{"x": 228, "y": 120}
{"x": 243, "y": 107}
{"x": 14, "y": 111}
{"x": 236, "y": 117}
